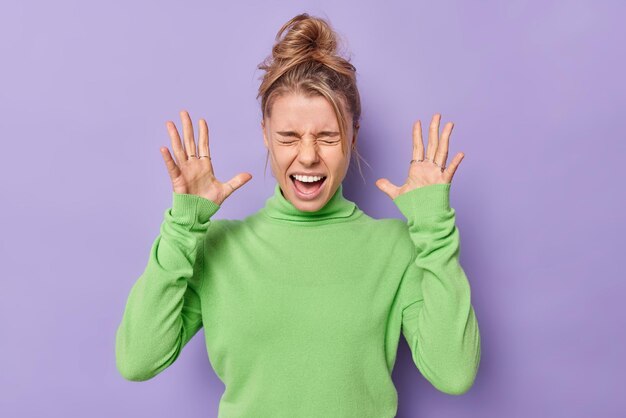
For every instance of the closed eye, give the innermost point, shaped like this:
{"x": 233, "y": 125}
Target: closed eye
{"x": 293, "y": 137}
{"x": 324, "y": 142}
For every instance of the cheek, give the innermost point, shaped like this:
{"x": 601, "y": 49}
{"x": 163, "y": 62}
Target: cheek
{"x": 336, "y": 160}
{"x": 282, "y": 160}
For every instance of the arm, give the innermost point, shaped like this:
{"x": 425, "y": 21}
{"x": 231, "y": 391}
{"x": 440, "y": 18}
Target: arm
{"x": 163, "y": 308}
{"x": 438, "y": 320}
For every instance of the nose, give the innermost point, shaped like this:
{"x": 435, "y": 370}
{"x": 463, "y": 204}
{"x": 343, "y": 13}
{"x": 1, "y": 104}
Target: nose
{"x": 307, "y": 153}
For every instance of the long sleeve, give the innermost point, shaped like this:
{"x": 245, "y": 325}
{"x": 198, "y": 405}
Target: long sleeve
{"x": 438, "y": 320}
{"x": 163, "y": 308}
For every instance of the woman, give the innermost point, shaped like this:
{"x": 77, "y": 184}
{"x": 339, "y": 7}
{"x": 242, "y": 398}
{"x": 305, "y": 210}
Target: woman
{"x": 303, "y": 302}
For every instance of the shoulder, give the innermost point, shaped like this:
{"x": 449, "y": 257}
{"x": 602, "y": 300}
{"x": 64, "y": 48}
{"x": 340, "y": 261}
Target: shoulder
{"x": 221, "y": 229}
{"x": 393, "y": 232}
{"x": 391, "y": 225}
{"x": 225, "y": 226}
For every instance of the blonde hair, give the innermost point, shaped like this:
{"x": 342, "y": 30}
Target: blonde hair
{"x": 305, "y": 61}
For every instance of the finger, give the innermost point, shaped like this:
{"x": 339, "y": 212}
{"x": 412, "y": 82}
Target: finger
{"x": 442, "y": 150}
{"x": 177, "y": 146}
{"x": 190, "y": 145}
{"x": 203, "y": 143}
{"x": 238, "y": 181}
{"x": 449, "y": 171}
{"x": 387, "y": 187}
{"x": 418, "y": 142}
{"x": 172, "y": 168}
{"x": 433, "y": 137}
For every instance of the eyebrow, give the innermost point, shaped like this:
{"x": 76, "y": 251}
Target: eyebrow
{"x": 289, "y": 133}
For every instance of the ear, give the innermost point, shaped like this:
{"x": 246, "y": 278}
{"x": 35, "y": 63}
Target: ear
{"x": 264, "y": 137}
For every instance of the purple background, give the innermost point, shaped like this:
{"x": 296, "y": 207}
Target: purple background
{"x": 536, "y": 92}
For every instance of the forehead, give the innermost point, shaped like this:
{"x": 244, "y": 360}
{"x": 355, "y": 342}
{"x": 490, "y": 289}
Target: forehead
{"x": 296, "y": 111}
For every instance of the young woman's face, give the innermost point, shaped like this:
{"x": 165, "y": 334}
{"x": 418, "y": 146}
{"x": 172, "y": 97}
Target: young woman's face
{"x": 303, "y": 137}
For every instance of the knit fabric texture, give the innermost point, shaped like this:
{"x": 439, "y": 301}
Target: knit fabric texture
{"x": 302, "y": 311}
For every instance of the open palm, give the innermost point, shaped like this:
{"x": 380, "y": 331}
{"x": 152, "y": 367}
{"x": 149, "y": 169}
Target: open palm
{"x": 192, "y": 172}
{"x": 431, "y": 169}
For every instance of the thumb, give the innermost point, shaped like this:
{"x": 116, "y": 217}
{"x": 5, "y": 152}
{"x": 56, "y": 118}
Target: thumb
{"x": 239, "y": 180}
{"x": 387, "y": 187}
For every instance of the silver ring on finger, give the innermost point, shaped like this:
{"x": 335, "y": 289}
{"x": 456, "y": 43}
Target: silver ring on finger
{"x": 427, "y": 159}
{"x": 433, "y": 161}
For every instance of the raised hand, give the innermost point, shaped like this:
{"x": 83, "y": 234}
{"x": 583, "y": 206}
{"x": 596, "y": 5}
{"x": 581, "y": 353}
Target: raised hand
{"x": 192, "y": 173}
{"x": 424, "y": 171}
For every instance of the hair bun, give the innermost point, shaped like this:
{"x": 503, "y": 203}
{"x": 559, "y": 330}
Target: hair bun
{"x": 305, "y": 35}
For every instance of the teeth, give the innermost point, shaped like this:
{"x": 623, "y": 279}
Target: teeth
{"x": 307, "y": 179}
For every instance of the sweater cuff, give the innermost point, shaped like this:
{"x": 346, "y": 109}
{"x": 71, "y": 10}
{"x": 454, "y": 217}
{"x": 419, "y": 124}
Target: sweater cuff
{"x": 424, "y": 201}
{"x": 190, "y": 209}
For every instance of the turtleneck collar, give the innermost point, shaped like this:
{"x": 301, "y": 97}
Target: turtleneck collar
{"x": 337, "y": 209}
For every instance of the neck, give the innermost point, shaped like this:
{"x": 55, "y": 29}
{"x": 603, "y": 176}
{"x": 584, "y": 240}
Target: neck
{"x": 337, "y": 209}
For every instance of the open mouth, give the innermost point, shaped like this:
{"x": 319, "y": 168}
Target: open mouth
{"x": 308, "y": 188}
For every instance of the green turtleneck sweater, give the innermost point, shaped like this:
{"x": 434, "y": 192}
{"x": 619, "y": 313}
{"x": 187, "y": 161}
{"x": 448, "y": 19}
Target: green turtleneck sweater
{"x": 302, "y": 311}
